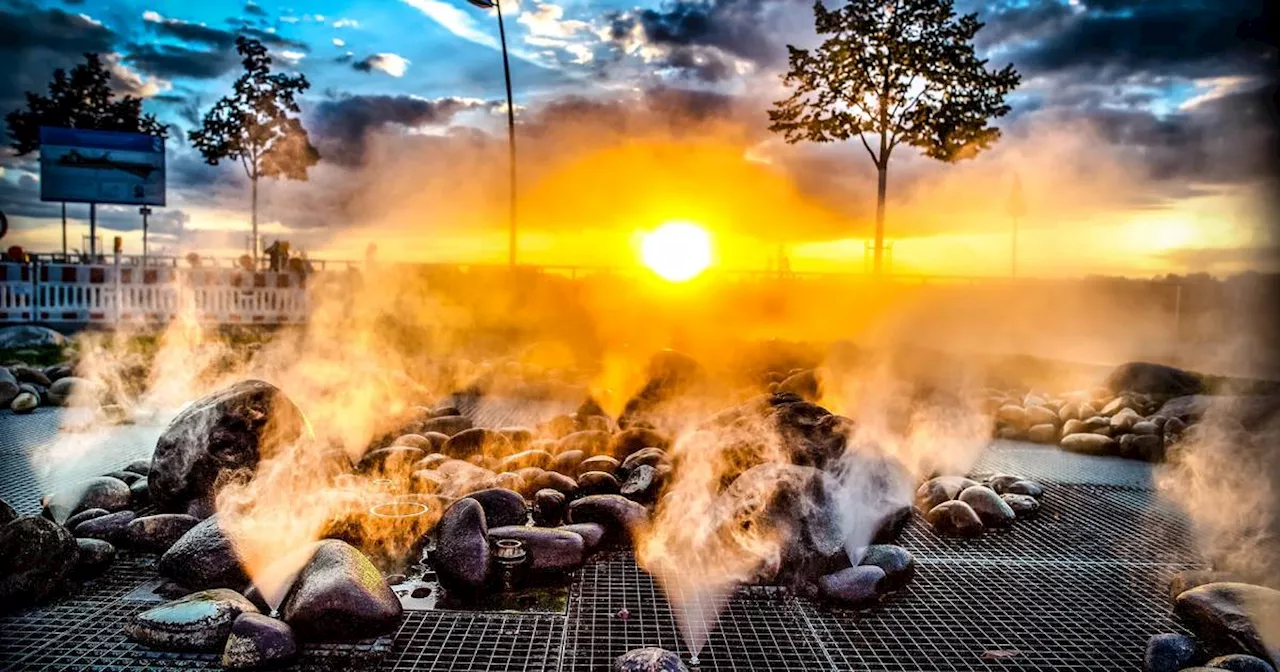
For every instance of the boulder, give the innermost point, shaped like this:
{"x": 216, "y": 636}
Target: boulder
{"x": 1088, "y": 444}
{"x": 1239, "y": 662}
{"x": 258, "y": 641}
{"x": 955, "y": 518}
{"x": 36, "y": 557}
{"x": 592, "y": 534}
{"x": 549, "y": 507}
{"x": 1169, "y": 652}
{"x": 94, "y": 558}
{"x": 556, "y": 550}
{"x": 228, "y": 431}
{"x": 855, "y": 586}
{"x": 502, "y": 507}
{"x": 339, "y": 595}
{"x": 203, "y": 558}
{"x": 991, "y": 510}
{"x": 1191, "y": 578}
{"x": 1023, "y": 506}
{"x": 198, "y": 622}
{"x": 155, "y": 534}
{"x": 110, "y": 527}
{"x": 1223, "y": 616}
{"x": 1145, "y": 377}
{"x": 649, "y": 659}
{"x": 598, "y": 483}
{"x": 462, "y": 547}
{"x": 102, "y": 492}
{"x": 621, "y": 518}
{"x": 896, "y": 562}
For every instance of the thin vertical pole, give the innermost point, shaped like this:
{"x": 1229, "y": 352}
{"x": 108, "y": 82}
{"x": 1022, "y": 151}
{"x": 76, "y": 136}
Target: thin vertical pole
{"x": 93, "y": 233}
{"x": 64, "y": 228}
{"x": 511, "y": 143}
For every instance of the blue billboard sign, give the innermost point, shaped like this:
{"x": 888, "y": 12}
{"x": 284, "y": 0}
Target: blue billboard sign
{"x": 88, "y": 166}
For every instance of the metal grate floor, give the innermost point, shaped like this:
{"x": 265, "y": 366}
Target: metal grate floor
{"x": 1081, "y": 587}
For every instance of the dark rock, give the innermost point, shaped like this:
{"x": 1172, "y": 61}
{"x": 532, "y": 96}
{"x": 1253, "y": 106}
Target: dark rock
{"x": 110, "y": 527}
{"x": 94, "y": 558}
{"x": 1024, "y": 506}
{"x": 589, "y": 441}
{"x": 1222, "y": 615}
{"x": 592, "y": 534}
{"x": 393, "y": 460}
{"x": 1149, "y": 447}
{"x": 64, "y": 390}
{"x": 27, "y": 374}
{"x": 806, "y": 384}
{"x": 24, "y": 403}
{"x": 549, "y": 549}
{"x": 597, "y": 483}
{"x": 630, "y": 441}
{"x": 1191, "y": 578}
{"x": 339, "y": 595}
{"x": 955, "y": 518}
{"x": 889, "y": 528}
{"x": 527, "y": 458}
{"x": 198, "y": 622}
{"x": 7, "y": 513}
{"x": 649, "y": 659}
{"x": 1239, "y": 662}
{"x": 554, "y": 481}
{"x": 102, "y": 492}
{"x": 896, "y": 562}
{"x": 1144, "y": 377}
{"x": 87, "y": 514}
{"x": 1000, "y": 482}
{"x": 650, "y": 456}
{"x": 155, "y": 534}
{"x": 1169, "y": 652}
{"x": 621, "y": 518}
{"x": 448, "y": 425}
{"x": 935, "y": 491}
{"x": 641, "y": 485}
{"x": 127, "y": 476}
{"x": 36, "y": 557}
{"x": 1088, "y": 444}
{"x": 258, "y": 641}
{"x": 991, "y": 510}
{"x": 415, "y": 441}
{"x": 566, "y": 462}
{"x": 140, "y": 492}
{"x": 203, "y": 558}
{"x": 1030, "y": 488}
{"x": 228, "y": 431}
{"x": 9, "y": 388}
{"x": 855, "y": 586}
{"x": 502, "y": 507}
{"x": 476, "y": 441}
{"x": 462, "y": 546}
{"x": 549, "y": 507}
{"x": 603, "y": 463}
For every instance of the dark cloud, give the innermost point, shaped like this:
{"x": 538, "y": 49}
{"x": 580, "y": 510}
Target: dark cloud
{"x": 170, "y": 61}
{"x": 340, "y": 126}
{"x": 254, "y": 9}
{"x": 274, "y": 40}
{"x": 193, "y": 32}
{"x": 35, "y": 41}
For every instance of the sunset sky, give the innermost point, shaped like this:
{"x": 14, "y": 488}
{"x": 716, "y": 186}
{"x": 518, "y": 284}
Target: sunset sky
{"x": 1139, "y": 134}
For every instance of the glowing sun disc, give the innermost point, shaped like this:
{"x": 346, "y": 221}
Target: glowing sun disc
{"x": 677, "y": 251}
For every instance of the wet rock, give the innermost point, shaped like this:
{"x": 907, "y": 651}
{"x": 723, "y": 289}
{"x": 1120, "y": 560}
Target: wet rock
{"x": 520, "y": 438}
{"x": 228, "y": 431}
{"x": 87, "y": 514}
{"x": 102, "y": 492}
{"x": 621, "y": 518}
{"x": 1146, "y": 427}
{"x": 140, "y": 492}
{"x": 110, "y": 527}
{"x": 24, "y": 403}
{"x": 7, "y": 513}
{"x": 603, "y": 463}
{"x": 393, "y": 460}
{"x": 1147, "y": 447}
{"x": 448, "y": 425}
{"x": 1044, "y": 433}
{"x": 1023, "y": 506}
{"x": 941, "y": 489}
{"x": 1150, "y": 378}
{"x": 9, "y": 389}
{"x": 28, "y": 374}
{"x": 340, "y": 595}
{"x": 592, "y": 534}
{"x": 999, "y": 482}
{"x": 462, "y": 547}
{"x": 94, "y": 557}
{"x": 528, "y": 458}
{"x": 502, "y": 507}
{"x": 1239, "y": 662}
{"x": 1222, "y": 615}
{"x": 590, "y": 442}
{"x": 1024, "y": 487}
{"x": 566, "y": 462}
{"x": 598, "y": 483}
{"x": 127, "y": 476}
{"x": 155, "y": 534}
{"x": 258, "y": 641}
{"x": 415, "y": 441}
{"x": 65, "y": 390}
{"x": 549, "y": 507}
{"x": 1088, "y": 444}
{"x": 203, "y": 558}
{"x": 955, "y": 518}
{"x": 856, "y": 586}
{"x": 549, "y": 549}
{"x": 891, "y": 527}
{"x": 476, "y": 441}
{"x": 36, "y": 557}
{"x": 991, "y": 510}
{"x": 1169, "y": 652}
{"x": 629, "y": 441}
{"x": 896, "y": 562}
{"x": 649, "y": 659}
{"x": 555, "y": 481}
{"x": 140, "y": 467}
{"x": 1191, "y": 578}
{"x": 198, "y": 622}
{"x": 641, "y": 485}
{"x": 650, "y": 456}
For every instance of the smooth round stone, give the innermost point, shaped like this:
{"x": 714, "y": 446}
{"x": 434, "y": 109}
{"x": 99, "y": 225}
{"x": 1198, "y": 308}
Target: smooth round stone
{"x": 603, "y": 463}
{"x": 1029, "y": 488}
{"x": 391, "y": 460}
{"x": 1169, "y": 652}
{"x": 198, "y": 622}
{"x": 340, "y": 596}
{"x": 1001, "y": 482}
{"x": 1024, "y": 506}
{"x": 650, "y": 456}
{"x": 641, "y": 484}
{"x": 87, "y": 514}
{"x": 890, "y": 527}
{"x": 598, "y": 483}
{"x": 449, "y": 425}
{"x": 462, "y": 546}
{"x": 549, "y": 507}
{"x": 592, "y": 534}
{"x": 955, "y": 518}
{"x": 620, "y": 517}
{"x": 629, "y": 441}
{"x": 855, "y": 586}
{"x": 155, "y": 534}
{"x": 567, "y": 462}
{"x": 649, "y": 659}
{"x": 510, "y": 481}
{"x": 1146, "y": 427}
{"x": 502, "y": 507}
{"x": 941, "y": 489}
{"x": 141, "y": 467}
{"x": 111, "y": 527}
{"x": 127, "y": 476}
{"x": 25, "y": 403}
{"x": 1239, "y": 662}
{"x": 203, "y": 558}
{"x": 476, "y": 441}
{"x": 140, "y": 491}
{"x": 414, "y": 441}
{"x": 554, "y": 481}
{"x": 549, "y": 549}
{"x": 94, "y": 558}
{"x": 525, "y": 459}
{"x": 991, "y": 510}
{"x": 896, "y": 562}
{"x": 102, "y": 492}
{"x": 589, "y": 441}
{"x": 1043, "y": 433}
{"x": 258, "y": 641}
{"x": 520, "y": 437}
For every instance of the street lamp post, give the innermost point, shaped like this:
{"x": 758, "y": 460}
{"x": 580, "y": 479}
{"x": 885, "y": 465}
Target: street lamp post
{"x": 144, "y": 211}
{"x": 511, "y": 130}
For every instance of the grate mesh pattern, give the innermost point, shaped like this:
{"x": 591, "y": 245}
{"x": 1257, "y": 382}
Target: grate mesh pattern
{"x": 438, "y": 641}
{"x": 1051, "y": 465}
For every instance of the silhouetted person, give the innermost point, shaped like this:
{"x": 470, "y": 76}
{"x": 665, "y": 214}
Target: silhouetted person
{"x": 275, "y": 254}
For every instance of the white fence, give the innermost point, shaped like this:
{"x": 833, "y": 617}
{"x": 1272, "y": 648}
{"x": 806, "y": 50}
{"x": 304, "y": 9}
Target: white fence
{"x": 115, "y": 294}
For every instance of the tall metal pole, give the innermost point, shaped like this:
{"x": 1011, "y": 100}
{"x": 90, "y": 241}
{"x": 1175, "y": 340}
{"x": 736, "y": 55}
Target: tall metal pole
{"x": 93, "y": 233}
{"x": 511, "y": 142}
{"x": 64, "y": 229}
{"x": 144, "y": 211}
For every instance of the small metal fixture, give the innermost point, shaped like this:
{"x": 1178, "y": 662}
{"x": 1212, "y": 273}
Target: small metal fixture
{"x": 510, "y": 556}
{"x": 693, "y": 660}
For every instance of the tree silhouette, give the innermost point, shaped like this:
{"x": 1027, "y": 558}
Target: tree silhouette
{"x": 900, "y": 71}
{"x": 254, "y": 126}
{"x": 81, "y": 99}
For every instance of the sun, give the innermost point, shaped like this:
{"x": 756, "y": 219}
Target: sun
{"x": 677, "y": 251}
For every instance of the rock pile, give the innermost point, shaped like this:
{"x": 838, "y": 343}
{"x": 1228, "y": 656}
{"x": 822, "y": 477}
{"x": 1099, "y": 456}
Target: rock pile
{"x": 25, "y": 388}
{"x": 960, "y": 507}
{"x": 1228, "y": 620}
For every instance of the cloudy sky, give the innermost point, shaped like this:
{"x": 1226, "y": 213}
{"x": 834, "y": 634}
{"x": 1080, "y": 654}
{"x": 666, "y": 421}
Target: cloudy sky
{"x": 1140, "y": 133}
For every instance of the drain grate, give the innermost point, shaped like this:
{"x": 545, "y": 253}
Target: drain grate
{"x": 999, "y": 616}
{"x": 1049, "y": 464}
{"x": 1077, "y": 523}
{"x": 433, "y": 641}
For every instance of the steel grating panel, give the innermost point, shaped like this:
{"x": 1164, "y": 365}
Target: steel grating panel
{"x": 1076, "y": 523}
{"x": 435, "y": 641}
{"x": 1005, "y": 616}
{"x": 760, "y": 628}
{"x": 499, "y": 412}
{"x": 1053, "y": 465}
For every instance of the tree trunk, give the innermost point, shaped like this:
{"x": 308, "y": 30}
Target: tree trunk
{"x": 254, "y": 246}
{"x": 879, "y": 251}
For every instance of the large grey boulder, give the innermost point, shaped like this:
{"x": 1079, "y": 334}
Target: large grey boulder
{"x": 1232, "y": 616}
{"x": 36, "y": 557}
{"x": 228, "y": 431}
{"x": 462, "y": 546}
{"x": 156, "y": 534}
{"x": 340, "y": 595}
{"x": 1148, "y": 378}
{"x": 204, "y": 558}
{"x": 198, "y": 622}
{"x": 29, "y": 336}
